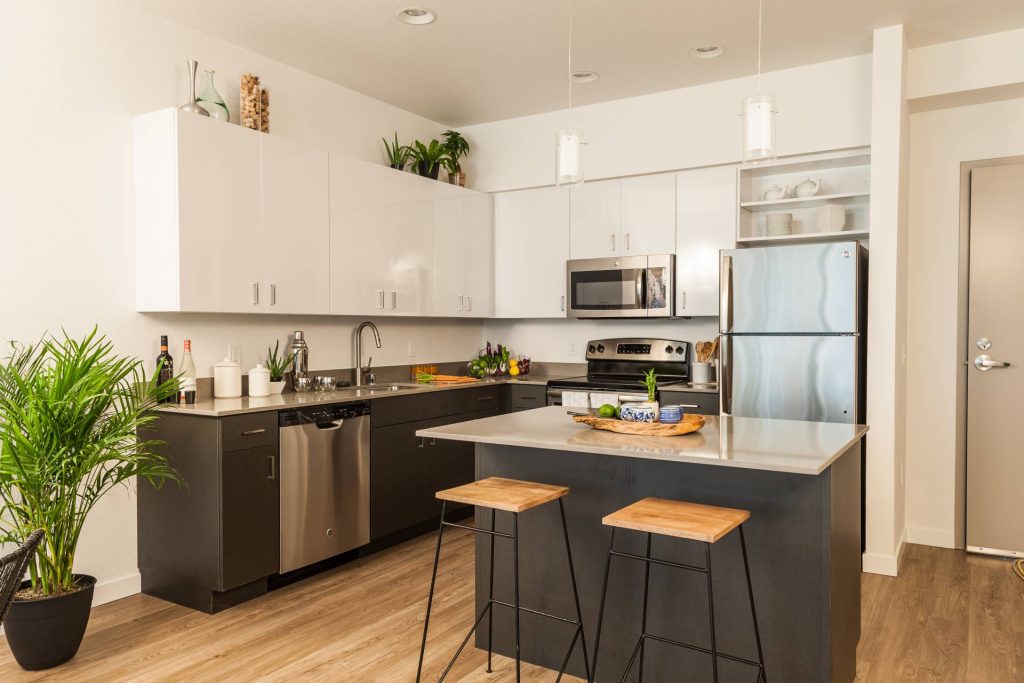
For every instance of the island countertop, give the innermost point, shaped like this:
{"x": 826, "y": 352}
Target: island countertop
{"x": 743, "y": 442}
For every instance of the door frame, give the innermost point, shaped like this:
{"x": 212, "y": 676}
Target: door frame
{"x": 963, "y": 340}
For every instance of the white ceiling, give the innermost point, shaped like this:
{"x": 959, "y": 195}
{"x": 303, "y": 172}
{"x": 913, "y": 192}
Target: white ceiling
{"x": 483, "y": 60}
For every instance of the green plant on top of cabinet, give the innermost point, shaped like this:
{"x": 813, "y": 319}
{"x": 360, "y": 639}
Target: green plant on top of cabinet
{"x": 397, "y": 153}
{"x": 456, "y": 147}
{"x": 428, "y": 158}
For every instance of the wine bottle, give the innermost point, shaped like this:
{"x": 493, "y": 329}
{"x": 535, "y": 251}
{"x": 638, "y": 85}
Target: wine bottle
{"x": 165, "y": 365}
{"x": 187, "y": 390}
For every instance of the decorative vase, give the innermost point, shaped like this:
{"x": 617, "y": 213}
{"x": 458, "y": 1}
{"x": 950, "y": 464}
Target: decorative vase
{"x": 422, "y": 167}
{"x": 192, "y": 106}
{"x": 211, "y": 101}
{"x": 457, "y": 178}
{"x": 639, "y": 412}
{"x": 46, "y": 632}
{"x": 277, "y": 387}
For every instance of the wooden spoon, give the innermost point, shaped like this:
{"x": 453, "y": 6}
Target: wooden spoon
{"x": 700, "y": 351}
{"x": 714, "y": 348}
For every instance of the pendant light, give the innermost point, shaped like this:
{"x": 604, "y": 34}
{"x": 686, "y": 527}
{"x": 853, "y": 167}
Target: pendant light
{"x": 759, "y": 114}
{"x": 568, "y": 146}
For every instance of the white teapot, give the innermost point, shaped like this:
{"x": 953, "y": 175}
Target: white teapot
{"x": 807, "y": 188}
{"x": 775, "y": 192}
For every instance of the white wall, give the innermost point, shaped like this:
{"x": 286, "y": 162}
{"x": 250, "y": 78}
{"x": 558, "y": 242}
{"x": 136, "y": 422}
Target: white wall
{"x": 822, "y": 107}
{"x": 74, "y": 74}
{"x": 940, "y": 141}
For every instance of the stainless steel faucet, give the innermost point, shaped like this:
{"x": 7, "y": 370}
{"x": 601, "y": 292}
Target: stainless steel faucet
{"x": 368, "y": 370}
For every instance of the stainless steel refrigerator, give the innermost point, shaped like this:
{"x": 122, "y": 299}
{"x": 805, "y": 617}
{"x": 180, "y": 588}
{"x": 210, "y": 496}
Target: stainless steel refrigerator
{"x": 793, "y": 322}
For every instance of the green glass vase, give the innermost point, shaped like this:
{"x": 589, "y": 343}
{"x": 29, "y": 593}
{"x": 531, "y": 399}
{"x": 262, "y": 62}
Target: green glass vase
{"x": 210, "y": 100}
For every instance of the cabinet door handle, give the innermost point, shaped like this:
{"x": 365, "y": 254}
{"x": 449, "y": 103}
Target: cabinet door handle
{"x": 433, "y": 442}
{"x": 613, "y": 241}
{"x": 420, "y": 445}
{"x": 273, "y": 294}
{"x": 563, "y": 303}
{"x": 682, "y": 300}
{"x": 380, "y": 298}
{"x": 252, "y": 432}
{"x": 460, "y": 302}
{"x": 271, "y": 468}
{"x": 394, "y": 299}
{"x": 255, "y": 294}
{"x": 469, "y": 303}
{"x": 627, "y": 241}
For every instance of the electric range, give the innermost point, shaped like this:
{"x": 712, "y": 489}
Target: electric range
{"x": 616, "y": 367}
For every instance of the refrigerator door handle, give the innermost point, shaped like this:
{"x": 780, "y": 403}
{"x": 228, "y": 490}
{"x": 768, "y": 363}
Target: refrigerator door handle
{"x": 725, "y": 380}
{"x": 725, "y": 293}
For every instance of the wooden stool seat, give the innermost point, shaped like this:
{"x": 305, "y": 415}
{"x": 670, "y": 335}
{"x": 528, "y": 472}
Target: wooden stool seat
{"x": 694, "y": 521}
{"x": 510, "y": 495}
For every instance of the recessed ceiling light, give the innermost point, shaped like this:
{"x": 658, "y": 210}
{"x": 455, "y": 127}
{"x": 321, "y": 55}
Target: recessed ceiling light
{"x": 585, "y": 76}
{"x": 416, "y": 15}
{"x": 707, "y": 51}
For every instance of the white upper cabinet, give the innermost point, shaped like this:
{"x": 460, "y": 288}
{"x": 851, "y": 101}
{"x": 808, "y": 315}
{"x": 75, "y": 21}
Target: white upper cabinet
{"x": 531, "y": 233}
{"x": 627, "y": 217}
{"x": 648, "y": 224}
{"x": 705, "y": 224}
{"x": 595, "y": 220}
{"x": 463, "y": 253}
{"x": 296, "y": 227}
{"x": 197, "y": 214}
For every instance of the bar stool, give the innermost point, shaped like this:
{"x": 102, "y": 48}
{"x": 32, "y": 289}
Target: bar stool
{"x": 508, "y": 495}
{"x": 691, "y": 521}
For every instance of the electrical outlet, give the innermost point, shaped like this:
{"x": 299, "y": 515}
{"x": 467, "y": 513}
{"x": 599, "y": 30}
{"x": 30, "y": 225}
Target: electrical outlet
{"x": 903, "y": 355}
{"x": 572, "y": 349}
{"x": 412, "y": 349}
{"x": 235, "y": 352}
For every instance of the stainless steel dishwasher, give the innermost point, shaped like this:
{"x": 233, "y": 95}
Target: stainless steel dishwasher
{"x": 325, "y": 482}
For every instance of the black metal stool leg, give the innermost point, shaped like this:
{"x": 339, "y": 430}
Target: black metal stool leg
{"x": 762, "y": 676}
{"x": 490, "y": 601}
{"x": 643, "y": 619}
{"x": 515, "y": 556}
{"x": 711, "y": 613}
{"x": 600, "y": 611}
{"x": 576, "y": 596}
{"x": 430, "y": 594}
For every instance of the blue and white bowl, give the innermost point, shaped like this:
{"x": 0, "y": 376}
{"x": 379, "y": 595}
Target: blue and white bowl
{"x": 670, "y": 414}
{"x": 639, "y": 412}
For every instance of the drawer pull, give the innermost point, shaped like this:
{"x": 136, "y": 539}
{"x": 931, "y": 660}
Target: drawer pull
{"x": 251, "y": 432}
{"x": 687, "y": 405}
{"x": 527, "y": 398}
{"x": 271, "y": 474}
{"x": 485, "y": 398}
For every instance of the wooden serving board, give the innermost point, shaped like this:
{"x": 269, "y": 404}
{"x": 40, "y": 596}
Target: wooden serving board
{"x": 688, "y": 425}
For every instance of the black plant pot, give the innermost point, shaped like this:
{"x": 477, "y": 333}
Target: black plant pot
{"x": 421, "y": 168}
{"x": 46, "y": 632}
{"x": 398, "y": 167}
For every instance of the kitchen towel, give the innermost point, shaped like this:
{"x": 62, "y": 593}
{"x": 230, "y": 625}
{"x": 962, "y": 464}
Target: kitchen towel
{"x": 576, "y": 399}
{"x": 599, "y": 399}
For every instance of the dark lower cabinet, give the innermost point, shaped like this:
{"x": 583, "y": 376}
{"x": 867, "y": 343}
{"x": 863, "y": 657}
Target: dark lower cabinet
{"x": 696, "y": 402}
{"x": 249, "y": 518}
{"x": 519, "y": 397}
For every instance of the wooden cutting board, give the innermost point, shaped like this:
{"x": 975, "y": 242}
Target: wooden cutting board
{"x": 688, "y": 425}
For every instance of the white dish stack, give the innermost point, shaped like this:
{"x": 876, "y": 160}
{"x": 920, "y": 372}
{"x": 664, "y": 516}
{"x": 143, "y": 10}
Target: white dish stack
{"x": 778, "y": 224}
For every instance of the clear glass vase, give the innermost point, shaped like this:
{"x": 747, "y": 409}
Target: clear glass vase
{"x": 210, "y": 100}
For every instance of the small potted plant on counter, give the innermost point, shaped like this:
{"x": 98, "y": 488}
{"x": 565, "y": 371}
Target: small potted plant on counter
{"x": 70, "y": 415}
{"x": 427, "y": 159}
{"x": 455, "y": 147}
{"x": 398, "y": 155}
{"x": 278, "y": 366}
{"x": 643, "y": 411}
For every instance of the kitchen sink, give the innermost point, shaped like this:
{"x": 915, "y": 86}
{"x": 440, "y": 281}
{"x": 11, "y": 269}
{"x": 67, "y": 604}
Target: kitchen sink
{"x": 387, "y": 387}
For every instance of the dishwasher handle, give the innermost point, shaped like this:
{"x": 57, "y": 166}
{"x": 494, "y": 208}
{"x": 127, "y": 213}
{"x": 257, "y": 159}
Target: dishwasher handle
{"x": 330, "y": 426}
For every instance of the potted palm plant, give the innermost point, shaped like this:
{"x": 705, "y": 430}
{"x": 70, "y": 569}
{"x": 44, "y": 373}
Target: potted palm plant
{"x": 455, "y": 147}
{"x": 69, "y": 414}
{"x": 427, "y": 159}
{"x": 398, "y": 155}
{"x": 278, "y": 364}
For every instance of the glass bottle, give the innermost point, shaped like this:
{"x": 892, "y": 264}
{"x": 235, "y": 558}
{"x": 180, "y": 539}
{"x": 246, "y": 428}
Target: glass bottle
{"x": 210, "y": 100}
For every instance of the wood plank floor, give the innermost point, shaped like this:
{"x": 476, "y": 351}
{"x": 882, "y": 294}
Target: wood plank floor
{"x": 948, "y": 617}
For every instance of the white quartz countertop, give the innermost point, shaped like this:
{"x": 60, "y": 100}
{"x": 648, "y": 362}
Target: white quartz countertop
{"x": 745, "y": 442}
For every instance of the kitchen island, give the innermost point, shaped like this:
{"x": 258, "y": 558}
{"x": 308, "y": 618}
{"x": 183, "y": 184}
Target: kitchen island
{"x": 801, "y": 481}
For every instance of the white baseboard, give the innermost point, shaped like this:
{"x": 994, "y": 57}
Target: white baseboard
{"x": 887, "y": 565}
{"x": 115, "y": 589}
{"x": 940, "y": 538}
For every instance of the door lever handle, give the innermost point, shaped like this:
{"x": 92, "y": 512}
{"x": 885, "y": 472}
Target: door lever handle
{"x": 984, "y": 363}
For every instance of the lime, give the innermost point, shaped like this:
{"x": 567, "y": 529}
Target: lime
{"x": 607, "y": 410}
{"x": 618, "y": 412}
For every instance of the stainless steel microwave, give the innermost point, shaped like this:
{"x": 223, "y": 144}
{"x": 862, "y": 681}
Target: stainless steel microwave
{"x": 621, "y": 287}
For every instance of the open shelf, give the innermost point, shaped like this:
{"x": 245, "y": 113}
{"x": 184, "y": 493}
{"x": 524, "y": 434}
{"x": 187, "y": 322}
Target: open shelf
{"x": 806, "y": 237}
{"x": 807, "y": 202}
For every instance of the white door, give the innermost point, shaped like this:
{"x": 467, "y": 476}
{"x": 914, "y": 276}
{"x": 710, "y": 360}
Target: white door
{"x": 594, "y": 220}
{"x": 649, "y": 215}
{"x": 296, "y": 227}
{"x": 478, "y": 235}
{"x": 531, "y": 232}
{"x": 219, "y": 216}
{"x": 995, "y": 355}
{"x": 451, "y": 254}
{"x": 358, "y": 258}
{"x": 705, "y": 224}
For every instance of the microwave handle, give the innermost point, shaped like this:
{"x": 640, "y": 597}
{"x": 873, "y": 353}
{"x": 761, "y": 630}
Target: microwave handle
{"x": 641, "y": 288}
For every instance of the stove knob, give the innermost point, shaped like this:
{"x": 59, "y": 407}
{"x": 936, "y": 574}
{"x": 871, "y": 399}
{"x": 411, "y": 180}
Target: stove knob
{"x": 591, "y": 348}
{"x": 680, "y": 349}
{"x": 600, "y": 348}
{"x": 668, "y": 349}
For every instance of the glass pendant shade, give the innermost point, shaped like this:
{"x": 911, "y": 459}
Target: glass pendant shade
{"x": 759, "y": 129}
{"x": 568, "y": 161}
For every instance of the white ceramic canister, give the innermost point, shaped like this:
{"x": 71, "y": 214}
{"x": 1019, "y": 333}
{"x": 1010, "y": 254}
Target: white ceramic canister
{"x": 259, "y": 381}
{"x": 227, "y": 379}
